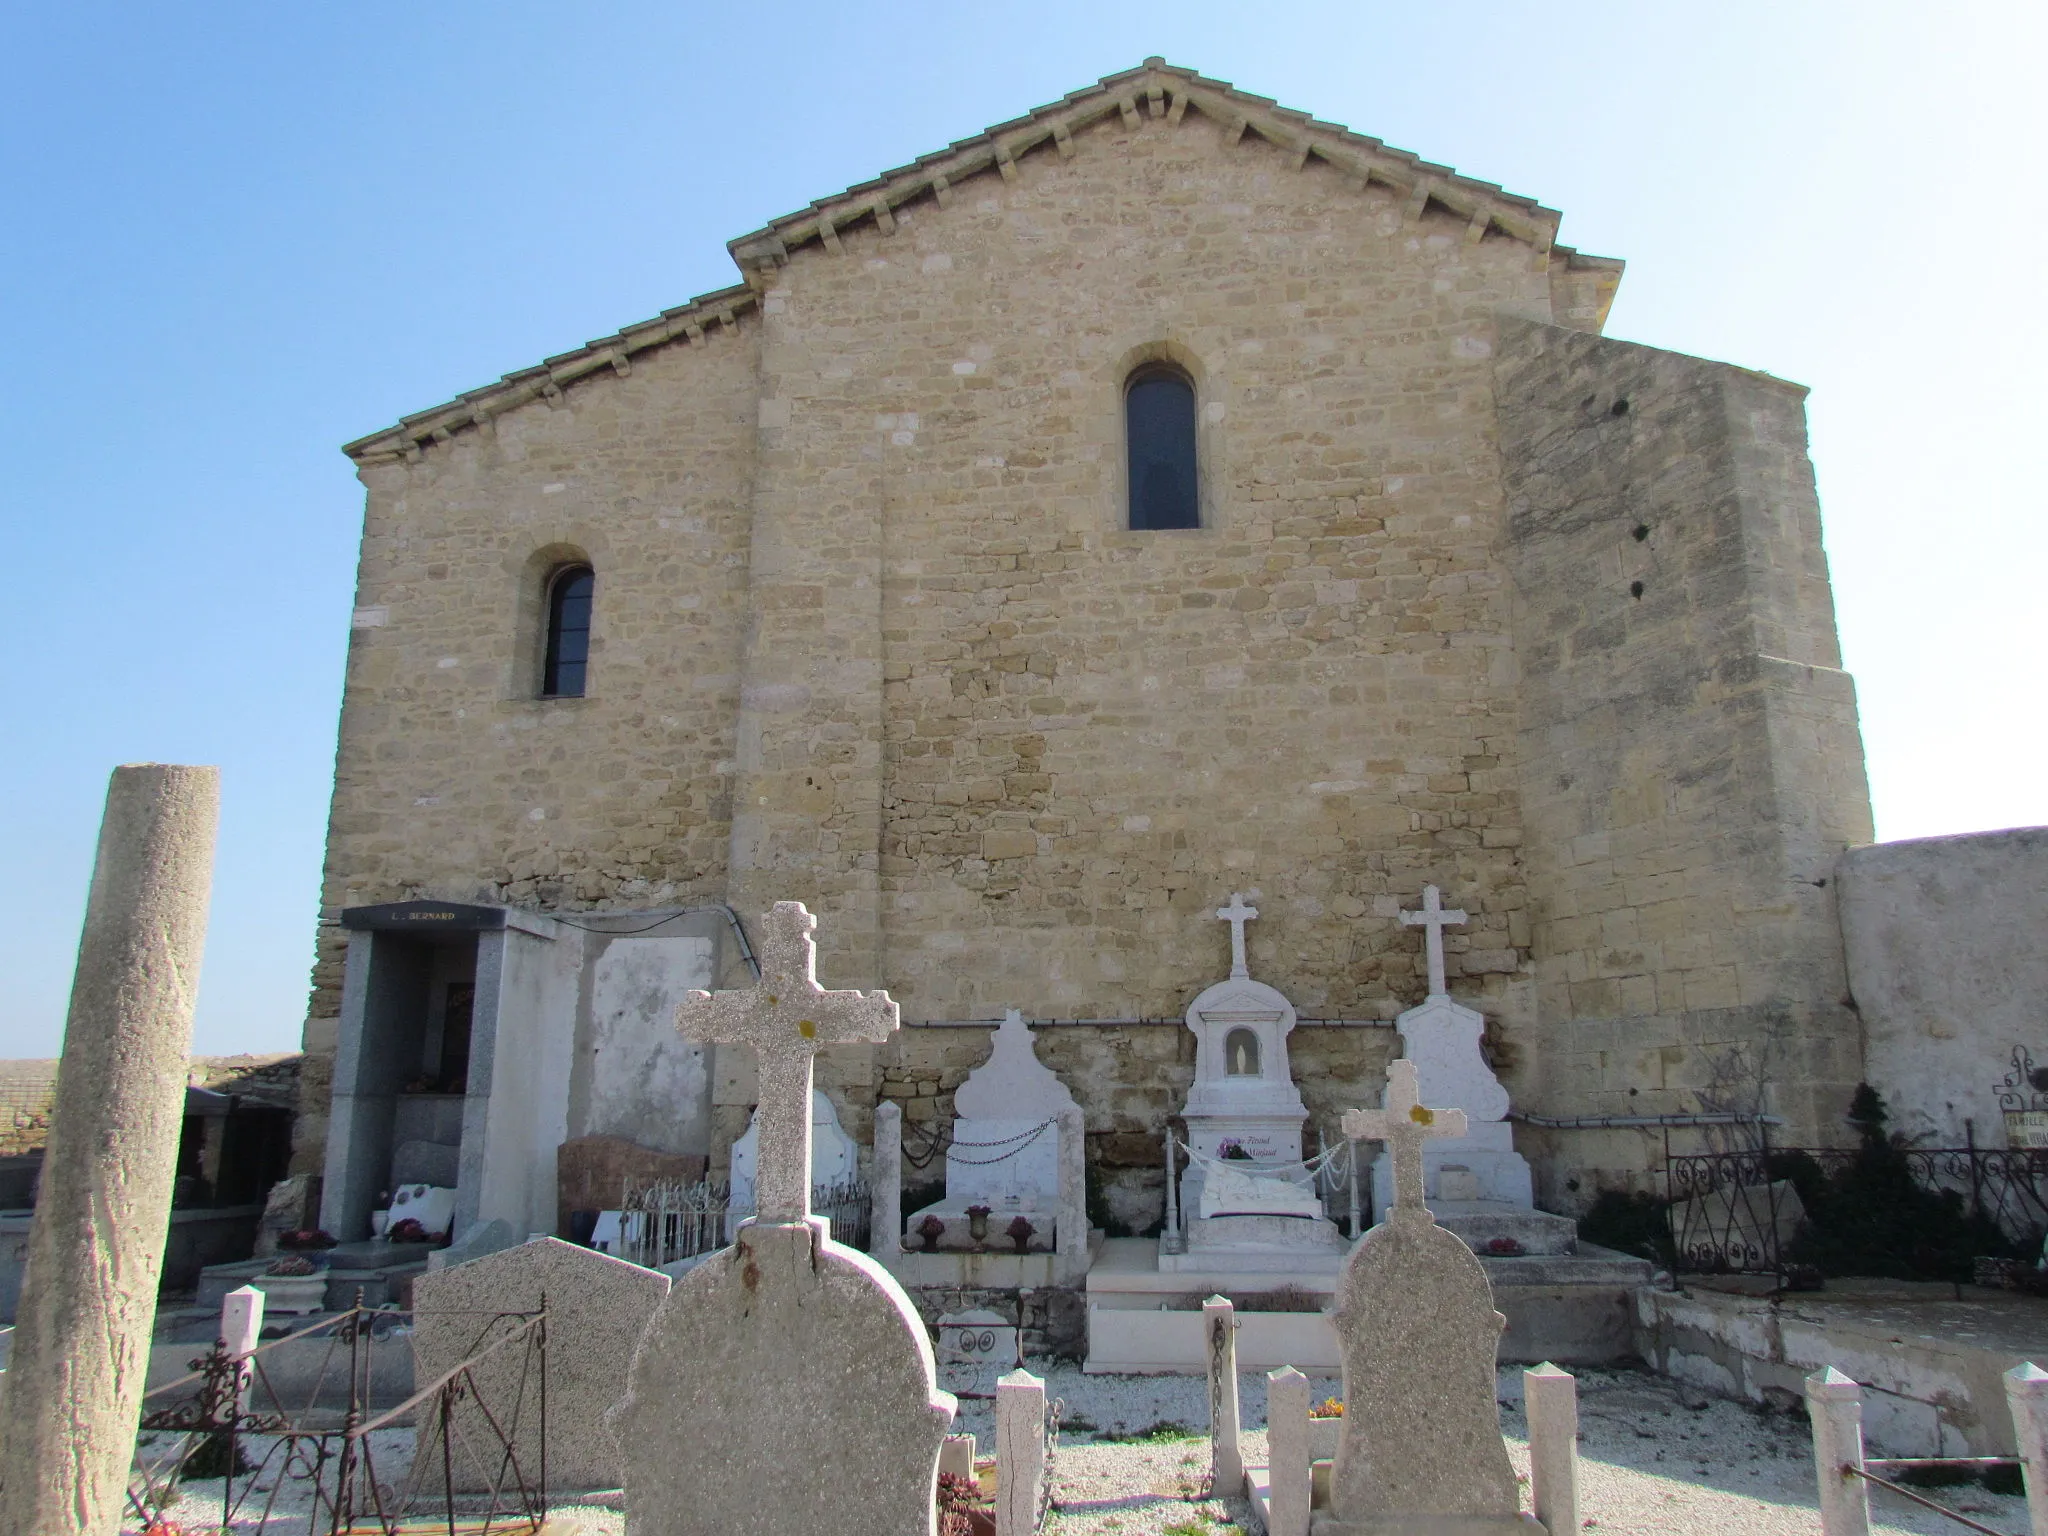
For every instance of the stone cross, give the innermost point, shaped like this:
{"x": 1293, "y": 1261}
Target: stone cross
{"x": 1434, "y": 918}
{"x": 1404, "y": 1124}
{"x": 1237, "y": 914}
{"x": 787, "y": 1018}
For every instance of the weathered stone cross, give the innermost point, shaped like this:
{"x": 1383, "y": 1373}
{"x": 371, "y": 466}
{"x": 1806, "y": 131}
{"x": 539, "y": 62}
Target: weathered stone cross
{"x": 1404, "y": 1124}
{"x": 1435, "y": 919}
{"x": 1237, "y": 914}
{"x": 787, "y": 1018}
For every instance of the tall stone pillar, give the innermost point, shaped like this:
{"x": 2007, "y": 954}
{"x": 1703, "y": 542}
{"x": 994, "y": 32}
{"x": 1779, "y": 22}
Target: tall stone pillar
{"x": 81, "y": 1340}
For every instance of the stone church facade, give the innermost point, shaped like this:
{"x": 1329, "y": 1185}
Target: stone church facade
{"x": 1478, "y": 598}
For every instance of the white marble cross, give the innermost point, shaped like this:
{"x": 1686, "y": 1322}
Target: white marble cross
{"x": 1403, "y": 1124}
{"x": 1237, "y": 914}
{"x": 787, "y": 1018}
{"x": 1435, "y": 918}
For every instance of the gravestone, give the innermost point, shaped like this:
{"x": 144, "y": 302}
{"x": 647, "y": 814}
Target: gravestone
{"x": 597, "y": 1308}
{"x": 1420, "y": 1450}
{"x": 1005, "y": 1151}
{"x": 834, "y": 1159}
{"x": 786, "y": 1386}
{"x": 1481, "y": 1168}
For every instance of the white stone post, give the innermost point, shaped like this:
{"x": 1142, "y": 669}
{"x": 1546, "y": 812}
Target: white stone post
{"x": 1070, "y": 1225}
{"x": 1835, "y": 1405}
{"x": 1552, "y": 1399}
{"x": 1020, "y": 1452}
{"x": 1287, "y": 1456}
{"x": 956, "y": 1456}
{"x": 1357, "y": 1194}
{"x": 1169, "y": 1231}
{"x": 2026, "y": 1393}
{"x": 885, "y": 1182}
{"x": 96, "y": 1246}
{"x": 241, "y": 1325}
{"x": 1226, "y": 1454}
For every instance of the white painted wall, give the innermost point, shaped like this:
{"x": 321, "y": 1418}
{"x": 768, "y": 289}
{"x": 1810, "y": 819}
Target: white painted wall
{"x": 647, "y": 1083}
{"x": 1947, "y": 944}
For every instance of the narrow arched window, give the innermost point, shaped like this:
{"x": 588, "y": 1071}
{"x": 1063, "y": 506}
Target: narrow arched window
{"x": 1159, "y": 436}
{"x": 568, "y": 649}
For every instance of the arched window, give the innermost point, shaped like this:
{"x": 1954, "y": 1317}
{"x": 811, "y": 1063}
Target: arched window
{"x": 1159, "y": 435}
{"x": 568, "y": 647}
{"x": 1241, "y": 1053}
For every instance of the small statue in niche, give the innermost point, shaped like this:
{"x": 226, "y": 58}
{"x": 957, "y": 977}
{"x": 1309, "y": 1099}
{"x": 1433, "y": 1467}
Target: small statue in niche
{"x": 1241, "y": 1054}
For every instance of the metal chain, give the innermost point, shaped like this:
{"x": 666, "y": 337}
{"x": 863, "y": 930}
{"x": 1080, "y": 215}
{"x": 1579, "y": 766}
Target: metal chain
{"x": 1052, "y": 1446}
{"x": 1023, "y": 1140}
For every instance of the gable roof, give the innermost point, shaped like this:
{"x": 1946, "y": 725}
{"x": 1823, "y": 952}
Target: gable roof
{"x": 1163, "y": 90}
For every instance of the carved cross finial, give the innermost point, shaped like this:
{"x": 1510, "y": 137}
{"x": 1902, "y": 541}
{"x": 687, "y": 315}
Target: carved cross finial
{"x": 1404, "y": 1124}
{"x": 787, "y": 1018}
{"x": 1434, "y": 918}
{"x": 1237, "y": 914}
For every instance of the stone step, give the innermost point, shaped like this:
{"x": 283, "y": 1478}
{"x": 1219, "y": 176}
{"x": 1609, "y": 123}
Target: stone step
{"x": 1480, "y": 1222}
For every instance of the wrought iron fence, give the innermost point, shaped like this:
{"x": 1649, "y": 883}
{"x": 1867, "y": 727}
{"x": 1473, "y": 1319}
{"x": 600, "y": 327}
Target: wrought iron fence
{"x": 290, "y": 1467}
{"x": 1738, "y": 1212}
{"x": 671, "y": 1220}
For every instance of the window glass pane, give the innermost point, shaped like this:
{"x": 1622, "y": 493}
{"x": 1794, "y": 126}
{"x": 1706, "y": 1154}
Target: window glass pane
{"x": 568, "y": 638}
{"x": 1159, "y": 423}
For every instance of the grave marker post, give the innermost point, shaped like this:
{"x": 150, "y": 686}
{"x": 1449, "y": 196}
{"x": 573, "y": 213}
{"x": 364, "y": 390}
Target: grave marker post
{"x": 1226, "y": 1452}
{"x": 1552, "y": 1398}
{"x": 1835, "y": 1405}
{"x": 2026, "y": 1393}
{"x": 1287, "y": 1455}
{"x": 1020, "y": 1452}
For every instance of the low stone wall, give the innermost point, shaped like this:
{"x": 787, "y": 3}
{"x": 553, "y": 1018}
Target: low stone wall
{"x": 1929, "y": 1365}
{"x": 1054, "y": 1319}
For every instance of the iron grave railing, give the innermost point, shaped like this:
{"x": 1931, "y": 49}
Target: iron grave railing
{"x": 1740, "y": 1212}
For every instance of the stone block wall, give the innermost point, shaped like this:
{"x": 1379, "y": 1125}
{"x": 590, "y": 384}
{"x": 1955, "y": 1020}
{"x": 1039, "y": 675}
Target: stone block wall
{"x": 1690, "y": 767}
{"x": 870, "y": 633}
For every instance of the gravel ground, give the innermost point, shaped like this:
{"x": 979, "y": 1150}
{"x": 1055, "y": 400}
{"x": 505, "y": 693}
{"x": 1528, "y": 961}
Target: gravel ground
{"x": 1655, "y": 1459}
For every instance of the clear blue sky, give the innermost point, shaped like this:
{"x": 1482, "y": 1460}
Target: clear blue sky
{"x": 233, "y": 237}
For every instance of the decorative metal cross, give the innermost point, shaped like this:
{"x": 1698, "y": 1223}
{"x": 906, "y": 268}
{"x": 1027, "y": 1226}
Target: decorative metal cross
{"x": 1435, "y": 919}
{"x": 787, "y": 1018}
{"x": 1237, "y": 914}
{"x": 1404, "y": 1124}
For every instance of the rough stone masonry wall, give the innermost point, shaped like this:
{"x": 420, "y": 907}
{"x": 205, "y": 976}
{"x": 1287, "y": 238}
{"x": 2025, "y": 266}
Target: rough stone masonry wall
{"x": 1090, "y": 735}
{"x": 1072, "y": 741}
{"x": 1690, "y": 763}
{"x": 452, "y": 778}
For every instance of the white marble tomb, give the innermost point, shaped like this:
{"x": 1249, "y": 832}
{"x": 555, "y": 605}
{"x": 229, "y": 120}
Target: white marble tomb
{"x": 1244, "y": 1199}
{"x": 1442, "y": 1038}
{"x": 1005, "y": 1152}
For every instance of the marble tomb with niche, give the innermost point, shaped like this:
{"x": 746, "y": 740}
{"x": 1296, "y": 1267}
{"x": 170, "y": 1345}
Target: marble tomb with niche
{"x": 1246, "y": 1203}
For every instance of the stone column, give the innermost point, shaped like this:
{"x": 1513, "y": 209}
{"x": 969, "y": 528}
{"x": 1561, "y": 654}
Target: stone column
{"x": 1020, "y": 1452}
{"x": 1070, "y": 1229}
{"x": 1226, "y": 1454}
{"x": 1287, "y": 1455}
{"x": 81, "y": 1341}
{"x": 885, "y": 1221}
{"x": 1835, "y": 1405}
{"x": 1552, "y": 1397}
{"x": 2026, "y": 1393}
